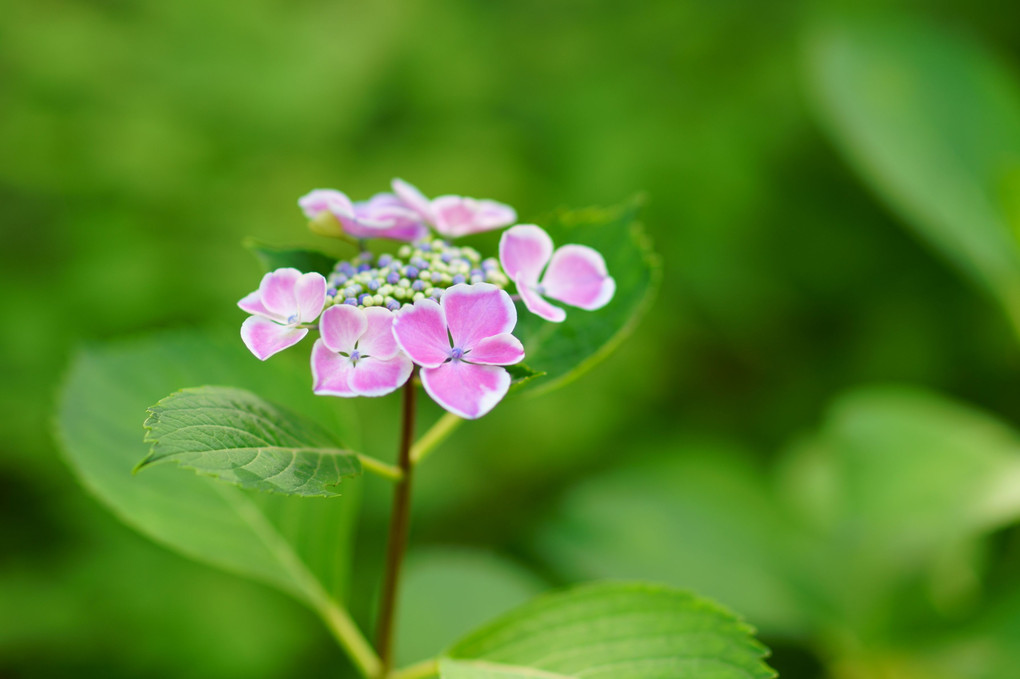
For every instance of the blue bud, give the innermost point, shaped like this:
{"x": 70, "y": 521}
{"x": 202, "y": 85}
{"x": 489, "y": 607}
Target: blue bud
{"x": 458, "y": 279}
{"x": 418, "y": 286}
{"x": 446, "y": 257}
{"x": 393, "y": 305}
{"x": 393, "y": 278}
{"x": 362, "y": 268}
{"x": 384, "y": 260}
{"x": 411, "y": 272}
{"x": 331, "y": 292}
{"x": 351, "y": 301}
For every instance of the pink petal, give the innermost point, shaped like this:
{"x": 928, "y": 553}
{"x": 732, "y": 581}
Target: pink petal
{"x": 377, "y": 340}
{"x": 459, "y": 216}
{"x": 331, "y": 372}
{"x": 264, "y": 338}
{"x": 474, "y": 312}
{"x": 413, "y": 198}
{"x": 341, "y": 326}
{"x": 466, "y": 390}
{"x": 524, "y": 251}
{"x": 538, "y": 306}
{"x": 502, "y": 349}
{"x": 375, "y": 377}
{"x": 577, "y": 276}
{"x": 454, "y": 215}
{"x": 252, "y": 303}
{"x": 493, "y": 215}
{"x": 326, "y": 200}
{"x": 277, "y": 292}
{"x": 420, "y": 330}
{"x": 310, "y": 291}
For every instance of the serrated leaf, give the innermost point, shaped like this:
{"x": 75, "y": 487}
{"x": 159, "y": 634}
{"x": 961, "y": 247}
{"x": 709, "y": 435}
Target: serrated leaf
{"x": 932, "y": 122}
{"x": 300, "y": 545}
{"x": 303, "y": 260}
{"x": 611, "y": 630}
{"x": 237, "y": 437}
{"x": 565, "y": 350}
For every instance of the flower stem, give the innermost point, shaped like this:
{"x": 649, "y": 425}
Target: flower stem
{"x": 443, "y": 427}
{"x": 387, "y": 471}
{"x": 399, "y": 524}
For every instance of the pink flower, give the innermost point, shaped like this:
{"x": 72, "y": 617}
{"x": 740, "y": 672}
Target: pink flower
{"x": 382, "y": 216}
{"x": 357, "y": 354}
{"x": 455, "y": 216}
{"x": 576, "y": 274}
{"x": 286, "y": 298}
{"x": 464, "y": 375}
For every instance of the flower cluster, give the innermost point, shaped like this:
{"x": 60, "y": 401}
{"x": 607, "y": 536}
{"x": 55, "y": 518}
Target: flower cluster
{"x": 422, "y": 270}
{"x": 431, "y": 304}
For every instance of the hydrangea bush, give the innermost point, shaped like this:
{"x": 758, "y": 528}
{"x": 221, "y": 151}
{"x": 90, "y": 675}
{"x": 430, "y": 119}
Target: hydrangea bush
{"x": 411, "y": 306}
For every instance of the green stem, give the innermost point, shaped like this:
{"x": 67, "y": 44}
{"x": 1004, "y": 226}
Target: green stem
{"x": 428, "y": 668}
{"x": 400, "y": 521}
{"x": 347, "y": 633}
{"x": 387, "y": 471}
{"x": 443, "y": 427}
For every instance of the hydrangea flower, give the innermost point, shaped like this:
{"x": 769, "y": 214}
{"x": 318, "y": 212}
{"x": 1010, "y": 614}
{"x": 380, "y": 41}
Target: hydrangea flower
{"x": 576, "y": 274}
{"x": 357, "y": 354}
{"x": 382, "y": 216}
{"x": 286, "y": 298}
{"x": 460, "y": 343}
{"x": 455, "y": 216}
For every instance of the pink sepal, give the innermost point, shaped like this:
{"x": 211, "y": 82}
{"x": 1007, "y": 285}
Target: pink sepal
{"x": 264, "y": 337}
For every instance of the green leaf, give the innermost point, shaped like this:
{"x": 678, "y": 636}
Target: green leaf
{"x": 701, "y": 517}
{"x": 932, "y": 122}
{"x": 305, "y": 261}
{"x": 897, "y": 482}
{"x": 521, "y": 374}
{"x": 235, "y": 436}
{"x": 611, "y": 630}
{"x": 299, "y": 545}
{"x": 446, "y": 593}
{"x": 563, "y": 351}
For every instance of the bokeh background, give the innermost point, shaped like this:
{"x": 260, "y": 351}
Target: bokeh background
{"x": 140, "y": 142}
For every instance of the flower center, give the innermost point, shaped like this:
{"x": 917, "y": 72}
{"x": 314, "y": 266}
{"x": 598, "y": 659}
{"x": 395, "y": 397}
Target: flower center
{"x": 293, "y": 319}
{"x": 456, "y": 354}
{"x": 355, "y": 356}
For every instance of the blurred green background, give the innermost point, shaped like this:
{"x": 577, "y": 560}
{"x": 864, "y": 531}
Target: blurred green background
{"x": 743, "y": 442}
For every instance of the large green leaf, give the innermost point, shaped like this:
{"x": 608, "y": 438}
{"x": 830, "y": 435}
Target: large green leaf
{"x": 235, "y": 436}
{"x": 701, "y": 517}
{"x": 932, "y": 122}
{"x": 300, "y": 545}
{"x": 565, "y": 350}
{"x": 612, "y": 630}
{"x": 897, "y": 482}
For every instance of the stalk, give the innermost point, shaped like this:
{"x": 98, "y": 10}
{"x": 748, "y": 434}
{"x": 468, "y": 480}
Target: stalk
{"x": 399, "y": 524}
